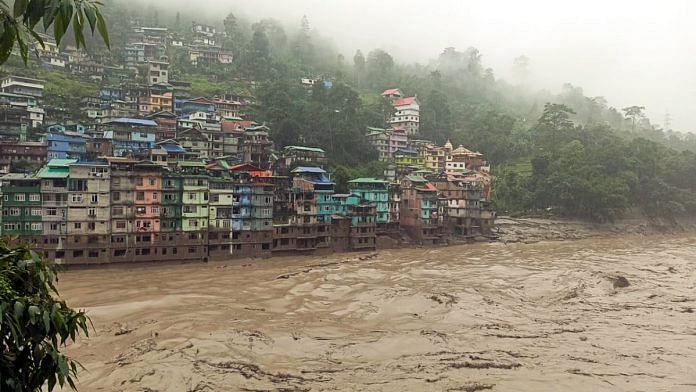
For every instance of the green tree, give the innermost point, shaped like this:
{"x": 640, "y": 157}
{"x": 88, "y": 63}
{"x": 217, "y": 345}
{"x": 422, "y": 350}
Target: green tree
{"x": 18, "y": 26}
{"x": 634, "y": 113}
{"x": 379, "y": 66}
{"x": 358, "y": 66}
{"x": 34, "y": 325}
{"x": 436, "y": 119}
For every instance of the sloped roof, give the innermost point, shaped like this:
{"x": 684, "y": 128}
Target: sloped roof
{"x": 308, "y": 169}
{"x": 367, "y": 180}
{"x": 132, "y": 121}
{"x": 391, "y": 91}
{"x": 303, "y": 148}
{"x": 404, "y": 101}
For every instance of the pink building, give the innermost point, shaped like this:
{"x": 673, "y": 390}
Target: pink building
{"x": 148, "y": 195}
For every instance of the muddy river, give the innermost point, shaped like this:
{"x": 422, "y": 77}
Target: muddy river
{"x": 551, "y": 316}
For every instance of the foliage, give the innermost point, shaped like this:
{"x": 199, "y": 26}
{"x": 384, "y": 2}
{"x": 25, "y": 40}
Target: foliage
{"x": 19, "y": 25}
{"x": 34, "y": 325}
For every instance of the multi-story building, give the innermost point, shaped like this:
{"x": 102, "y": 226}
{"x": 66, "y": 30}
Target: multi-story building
{"x": 256, "y": 146}
{"x": 54, "y": 206}
{"x": 419, "y": 210}
{"x": 21, "y": 156}
{"x": 354, "y": 227}
{"x": 21, "y": 206}
{"x": 306, "y": 226}
{"x": 131, "y": 137}
{"x": 252, "y": 212}
{"x": 194, "y": 206}
{"x": 461, "y": 212}
{"x": 166, "y": 125}
{"x": 406, "y": 113}
{"x": 89, "y": 212}
{"x": 372, "y": 190}
{"x": 158, "y": 72}
{"x": 22, "y": 86}
{"x": 292, "y": 156}
{"x": 66, "y": 145}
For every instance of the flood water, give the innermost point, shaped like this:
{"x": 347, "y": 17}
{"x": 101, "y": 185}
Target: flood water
{"x": 522, "y": 317}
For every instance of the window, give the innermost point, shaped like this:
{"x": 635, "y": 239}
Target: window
{"x": 35, "y": 197}
{"x": 154, "y": 196}
{"x": 120, "y": 224}
{"x": 77, "y": 198}
{"x": 153, "y": 182}
{"x": 78, "y": 225}
{"x": 36, "y": 226}
{"x": 119, "y": 252}
{"x": 15, "y": 211}
{"x": 140, "y": 210}
{"x": 54, "y": 226}
{"x": 92, "y": 212}
{"x": 140, "y": 196}
{"x": 94, "y": 199}
{"x": 191, "y": 249}
{"x": 190, "y": 209}
{"x": 78, "y": 253}
{"x": 93, "y": 253}
{"x": 191, "y": 196}
{"x": 20, "y": 197}
{"x": 117, "y": 210}
{"x": 116, "y": 196}
{"x": 155, "y": 210}
{"x": 51, "y": 212}
{"x": 139, "y": 181}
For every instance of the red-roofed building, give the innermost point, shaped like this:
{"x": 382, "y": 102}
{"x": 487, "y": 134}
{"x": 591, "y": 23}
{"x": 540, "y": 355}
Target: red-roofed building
{"x": 392, "y": 93}
{"x": 406, "y": 115}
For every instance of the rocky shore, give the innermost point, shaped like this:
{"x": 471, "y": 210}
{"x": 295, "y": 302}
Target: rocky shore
{"x": 531, "y": 230}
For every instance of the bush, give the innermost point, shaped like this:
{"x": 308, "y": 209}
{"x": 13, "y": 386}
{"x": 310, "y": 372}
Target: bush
{"x": 34, "y": 324}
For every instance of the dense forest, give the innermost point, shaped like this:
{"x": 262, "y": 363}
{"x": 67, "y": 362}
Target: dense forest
{"x": 566, "y": 153}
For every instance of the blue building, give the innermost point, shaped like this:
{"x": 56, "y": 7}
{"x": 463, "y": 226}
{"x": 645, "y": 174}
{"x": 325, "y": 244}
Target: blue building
{"x": 65, "y": 145}
{"x": 133, "y": 137}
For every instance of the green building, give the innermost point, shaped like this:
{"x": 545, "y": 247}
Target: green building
{"x": 194, "y": 211}
{"x": 375, "y": 191}
{"x": 172, "y": 190}
{"x": 21, "y": 205}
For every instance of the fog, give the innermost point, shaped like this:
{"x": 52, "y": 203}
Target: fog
{"x": 632, "y": 53}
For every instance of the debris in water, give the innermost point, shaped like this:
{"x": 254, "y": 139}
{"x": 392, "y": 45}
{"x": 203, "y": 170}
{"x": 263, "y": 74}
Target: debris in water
{"x": 620, "y": 282}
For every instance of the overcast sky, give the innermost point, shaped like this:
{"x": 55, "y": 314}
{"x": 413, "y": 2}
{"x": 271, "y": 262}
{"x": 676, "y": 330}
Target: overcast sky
{"x": 632, "y": 52}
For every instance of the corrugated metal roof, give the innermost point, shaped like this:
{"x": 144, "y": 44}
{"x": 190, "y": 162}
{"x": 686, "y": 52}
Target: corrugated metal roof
{"x": 132, "y": 121}
{"x": 367, "y": 180}
{"x": 308, "y": 169}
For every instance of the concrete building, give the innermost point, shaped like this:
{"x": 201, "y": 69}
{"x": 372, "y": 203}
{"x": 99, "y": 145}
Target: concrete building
{"x": 22, "y": 86}
{"x": 419, "y": 210}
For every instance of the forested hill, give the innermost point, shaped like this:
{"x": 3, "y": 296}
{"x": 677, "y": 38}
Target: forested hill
{"x": 565, "y": 153}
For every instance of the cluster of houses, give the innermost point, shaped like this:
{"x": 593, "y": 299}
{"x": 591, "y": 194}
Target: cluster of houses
{"x": 201, "y": 183}
{"x": 121, "y": 209}
{"x": 150, "y": 173}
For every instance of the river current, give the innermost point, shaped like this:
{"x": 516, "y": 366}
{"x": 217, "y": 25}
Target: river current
{"x": 550, "y": 316}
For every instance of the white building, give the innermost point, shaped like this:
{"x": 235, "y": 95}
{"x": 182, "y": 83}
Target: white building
{"x": 158, "y": 71}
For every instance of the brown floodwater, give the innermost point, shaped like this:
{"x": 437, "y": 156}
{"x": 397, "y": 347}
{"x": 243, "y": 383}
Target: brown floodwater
{"x": 522, "y": 317}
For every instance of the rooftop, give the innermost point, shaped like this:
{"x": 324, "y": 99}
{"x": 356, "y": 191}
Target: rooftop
{"x": 132, "y": 121}
{"x": 404, "y": 101}
{"x": 308, "y": 169}
{"x": 367, "y": 180}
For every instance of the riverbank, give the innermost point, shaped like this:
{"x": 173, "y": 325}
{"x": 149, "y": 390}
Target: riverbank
{"x": 531, "y": 230}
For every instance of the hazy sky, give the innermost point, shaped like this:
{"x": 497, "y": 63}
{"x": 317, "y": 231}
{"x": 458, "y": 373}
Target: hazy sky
{"x": 632, "y": 52}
